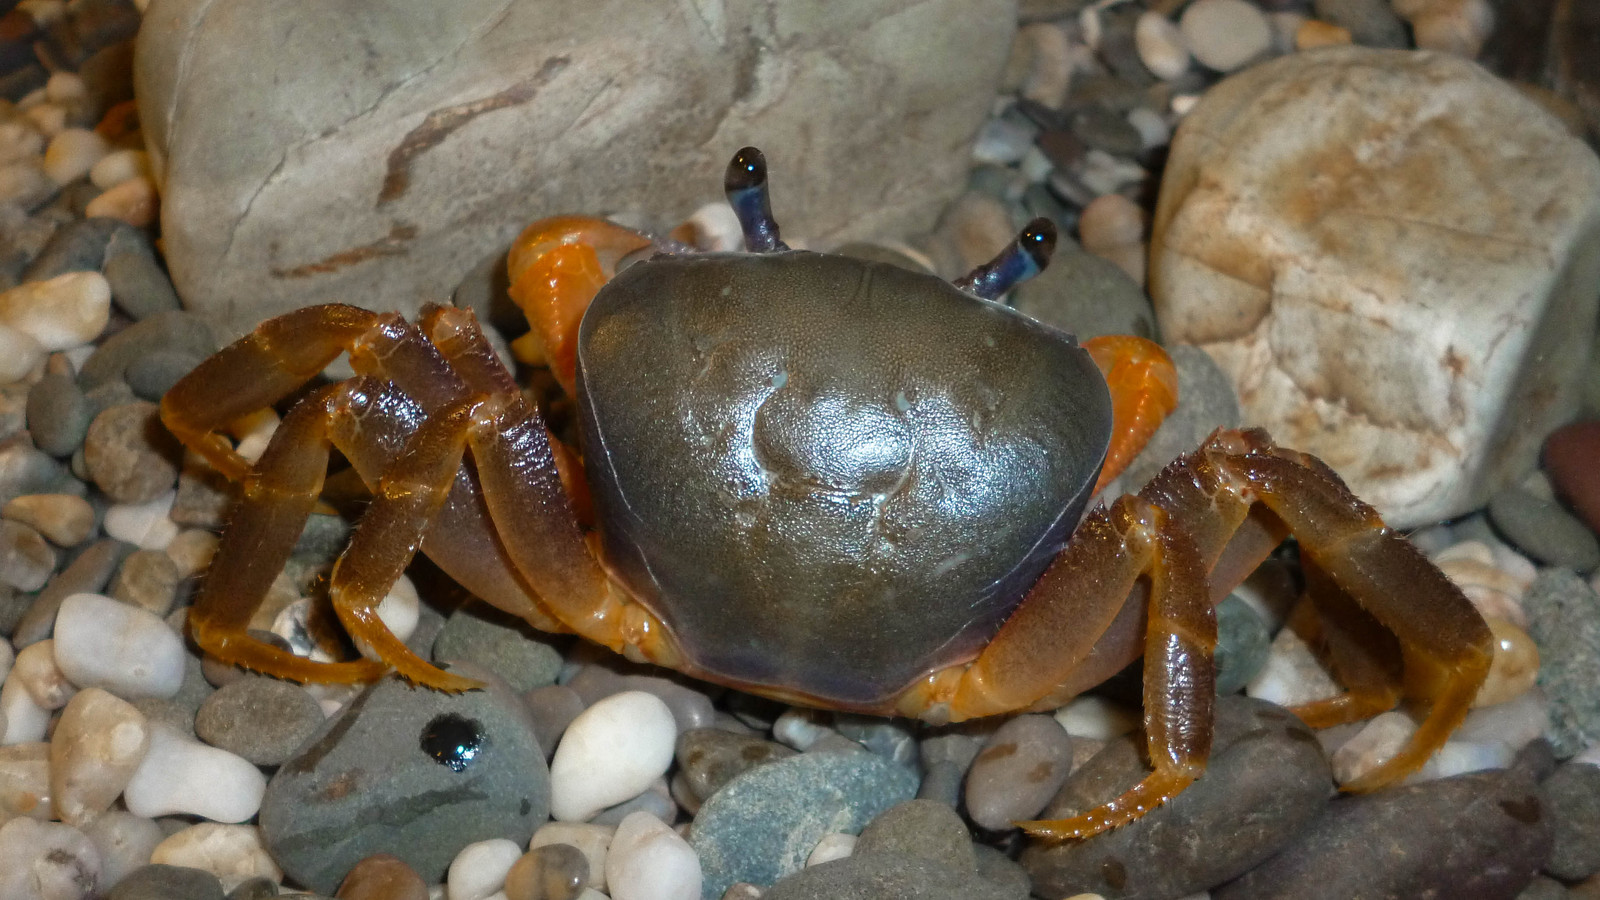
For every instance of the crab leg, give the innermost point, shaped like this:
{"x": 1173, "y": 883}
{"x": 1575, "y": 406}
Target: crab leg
{"x": 1366, "y": 656}
{"x": 1144, "y": 391}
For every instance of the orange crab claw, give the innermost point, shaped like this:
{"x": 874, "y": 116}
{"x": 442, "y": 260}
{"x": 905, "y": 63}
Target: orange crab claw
{"x": 556, "y": 267}
{"x": 1144, "y": 391}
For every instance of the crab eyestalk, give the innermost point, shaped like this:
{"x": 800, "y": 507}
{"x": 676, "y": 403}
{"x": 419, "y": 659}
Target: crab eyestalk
{"x": 1024, "y": 258}
{"x": 746, "y": 185}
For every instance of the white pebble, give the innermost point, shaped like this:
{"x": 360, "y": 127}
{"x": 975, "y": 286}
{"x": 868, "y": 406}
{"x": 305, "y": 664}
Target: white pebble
{"x": 1103, "y": 173}
{"x": 125, "y": 842}
{"x": 25, "y": 720}
{"x": 650, "y": 861}
{"x": 192, "y": 550}
{"x": 65, "y": 519}
{"x": 129, "y": 651}
{"x": 1152, "y": 127}
{"x": 19, "y": 140}
{"x": 1515, "y": 724}
{"x": 1373, "y": 746}
{"x": 118, "y": 166}
{"x": 1160, "y": 46}
{"x": 1111, "y": 221}
{"x": 400, "y": 608}
{"x": 37, "y": 670}
{"x": 479, "y": 870}
{"x": 591, "y": 840}
{"x": 713, "y": 228}
{"x": 1096, "y": 718}
{"x": 20, "y": 354}
{"x": 1292, "y": 674}
{"x": 1002, "y": 142}
{"x": 1051, "y": 75}
{"x": 1225, "y": 34}
{"x": 800, "y": 727}
{"x": 147, "y": 526}
{"x": 612, "y": 751}
{"x": 834, "y": 845}
{"x": 49, "y": 118}
{"x": 65, "y": 87}
{"x": 98, "y": 744}
{"x": 1461, "y": 757}
{"x": 133, "y": 201}
{"x": 185, "y": 777}
{"x": 1449, "y": 26}
{"x": 72, "y": 153}
{"x": 46, "y": 861}
{"x": 25, "y": 781}
{"x": 233, "y": 853}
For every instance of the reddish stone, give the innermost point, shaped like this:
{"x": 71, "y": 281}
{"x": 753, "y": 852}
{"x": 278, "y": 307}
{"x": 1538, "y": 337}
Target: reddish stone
{"x": 382, "y": 877}
{"x": 1572, "y": 458}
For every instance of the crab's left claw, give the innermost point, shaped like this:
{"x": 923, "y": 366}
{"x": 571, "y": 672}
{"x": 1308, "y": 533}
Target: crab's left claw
{"x": 556, "y": 267}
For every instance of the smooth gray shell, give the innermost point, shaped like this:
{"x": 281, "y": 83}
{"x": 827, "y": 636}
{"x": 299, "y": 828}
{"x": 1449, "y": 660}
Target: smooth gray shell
{"x": 830, "y": 475}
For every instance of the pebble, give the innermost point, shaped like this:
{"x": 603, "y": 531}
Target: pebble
{"x": 98, "y": 744}
{"x": 887, "y": 738}
{"x": 186, "y": 777}
{"x": 1160, "y": 45}
{"x": 26, "y": 560}
{"x": 119, "y": 166}
{"x": 920, "y": 829}
{"x": 124, "y": 841}
{"x": 1097, "y": 718}
{"x": 650, "y": 861}
{"x": 593, "y": 841}
{"x": 880, "y": 876}
{"x": 58, "y": 414}
{"x": 1543, "y": 530}
{"x": 1018, "y": 770}
{"x": 1050, "y": 73}
{"x": 548, "y": 872}
{"x": 147, "y": 525}
{"x": 1569, "y": 455}
{"x": 1292, "y": 674}
{"x": 1266, "y": 779}
{"x": 128, "y": 651}
{"x": 46, "y": 861}
{"x": 1314, "y": 33}
{"x": 25, "y": 781}
{"x": 480, "y": 869}
{"x": 763, "y": 824}
{"x": 1571, "y": 798}
{"x": 25, "y": 720}
{"x": 470, "y": 761}
{"x": 1515, "y": 667}
{"x": 174, "y": 330}
{"x": 655, "y": 799}
{"x": 510, "y": 648}
{"x": 610, "y": 752}
{"x": 147, "y": 579}
{"x": 89, "y": 572}
{"x": 1449, "y": 26}
{"x": 61, "y": 313}
{"x": 1003, "y": 141}
{"x": 1225, "y": 34}
{"x": 1087, "y": 296}
{"x": 65, "y": 519}
{"x": 833, "y": 845}
{"x": 72, "y": 153}
{"x": 1376, "y": 743}
{"x": 133, "y": 201}
{"x": 1478, "y": 835}
{"x": 1372, "y": 23}
{"x": 801, "y": 727}
{"x": 154, "y": 375}
{"x": 163, "y": 882}
{"x": 1564, "y": 621}
{"x": 1242, "y": 644}
{"x": 553, "y": 707}
{"x": 139, "y": 285}
{"x": 130, "y": 455}
{"x": 24, "y": 470}
{"x": 710, "y": 757}
{"x": 35, "y": 668}
{"x": 383, "y": 877}
{"x": 192, "y": 551}
{"x": 233, "y": 853}
{"x": 261, "y": 719}
{"x": 20, "y": 355}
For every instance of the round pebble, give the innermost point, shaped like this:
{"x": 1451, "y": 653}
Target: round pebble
{"x": 125, "y": 842}
{"x": 509, "y": 648}
{"x": 233, "y": 853}
{"x": 1225, "y": 34}
{"x": 1569, "y": 455}
{"x": 1018, "y": 770}
{"x": 133, "y": 201}
{"x": 261, "y": 719}
{"x": 1292, "y": 674}
{"x": 163, "y": 882}
{"x": 593, "y": 841}
{"x": 128, "y": 651}
{"x": 26, "y": 560}
{"x": 130, "y": 454}
{"x": 1564, "y": 622}
{"x": 119, "y": 166}
{"x": 24, "y": 719}
{"x": 72, "y": 153}
{"x": 1571, "y": 797}
{"x": 1160, "y": 45}
{"x": 147, "y": 579}
{"x": 58, "y": 414}
{"x": 1515, "y": 666}
{"x": 1371, "y": 23}
{"x": 1242, "y": 644}
{"x": 921, "y": 828}
{"x": 61, "y": 313}
{"x": 65, "y": 519}
{"x": 181, "y": 776}
{"x": 710, "y": 757}
{"x": 611, "y": 752}
{"x": 1096, "y": 718}
{"x": 1314, "y": 33}
{"x": 25, "y": 781}
{"x": 649, "y": 861}
{"x": 480, "y": 869}
{"x": 1050, "y": 74}
{"x": 46, "y": 860}
{"x": 383, "y": 877}
{"x": 548, "y": 872}
{"x": 1543, "y": 530}
{"x": 834, "y": 845}
{"x": 147, "y": 525}
{"x": 35, "y": 668}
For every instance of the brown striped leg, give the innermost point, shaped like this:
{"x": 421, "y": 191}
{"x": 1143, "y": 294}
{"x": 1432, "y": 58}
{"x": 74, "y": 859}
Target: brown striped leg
{"x": 255, "y": 372}
{"x": 273, "y": 507}
{"x": 1056, "y": 628}
{"x": 1365, "y": 656}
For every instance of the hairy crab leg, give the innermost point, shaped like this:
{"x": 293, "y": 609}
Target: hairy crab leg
{"x": 1144, "y": 391}
{"x": 556, "y": 267}
{"x": 1366, "y": 657}
{"x": 1054, "y": 631}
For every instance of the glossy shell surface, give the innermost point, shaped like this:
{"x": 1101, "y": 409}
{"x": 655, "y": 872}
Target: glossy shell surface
{"x": 827, "y": 475}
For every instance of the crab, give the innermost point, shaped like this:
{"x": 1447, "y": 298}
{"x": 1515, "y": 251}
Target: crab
{"x": 830, "y": 481}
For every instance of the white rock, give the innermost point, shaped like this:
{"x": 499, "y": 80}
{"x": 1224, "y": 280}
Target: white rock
{"x": 125, "y": 842}
{"x": 233, "y": 853}
{"x": 400, "y": 609}
{"x": 133, "y": 201}
{"x": 1461, "y": 757}
{"x": 612, "y": 751}
{"x": 713, "y": 228}
{"x": 20, "y": 354}
{"x": 19, "y": 140}
{"x": 591, "y": 840}
{"x": 118, "y": 166}
{"x": 49, "y": 118}
{"x": 479, "y": 870}
{"x": 1152, "y": 127}
{"x": 65, "y": 87}
{"x": 1331, "y": 200}
{"x": 25, "y": 781}
{"x": 72, "y": 153}
{"x": 1514, "y": 724}
{"x": 129, "y": 651}
{"x": 1292, "y": 674}
{"x": 650, "y": 861}
{"x": 24, "y": 719}
{"x": 1373, "y": 746}
{"x": 37, "y": 670}
{"x": 834, "y": 845}
{"x": 800, "y": 727}
{"x": 181, "y": 776}
{"x": 147, "y": 526}
{"x": 1096, "y": 718}
{"x": 1160, "y": 45}
{"x": 1225, "y": 34}
{"x": 98, "y": 744}
{"x": 46, "y": 861}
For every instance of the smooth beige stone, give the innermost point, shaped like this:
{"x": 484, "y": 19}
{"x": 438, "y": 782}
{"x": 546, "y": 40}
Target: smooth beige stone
{"x": 97, "y": 746}
{"x": 66, "y": 519}
{"x": 25, "y": 782}
{"x": 233, "y": 853}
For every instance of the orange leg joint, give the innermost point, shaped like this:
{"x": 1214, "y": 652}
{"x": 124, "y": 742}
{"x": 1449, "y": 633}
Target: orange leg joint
{"x": 556, "y": 267}
{"x": 1144, "y": 391}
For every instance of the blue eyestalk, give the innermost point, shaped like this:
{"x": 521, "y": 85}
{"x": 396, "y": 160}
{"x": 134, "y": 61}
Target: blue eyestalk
{"x": 746, "y": 185}
{"x": 1024, "y": 258}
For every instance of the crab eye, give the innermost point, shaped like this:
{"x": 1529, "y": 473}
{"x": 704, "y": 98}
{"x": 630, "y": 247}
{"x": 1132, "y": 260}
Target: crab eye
{"x": 452, "y": 740}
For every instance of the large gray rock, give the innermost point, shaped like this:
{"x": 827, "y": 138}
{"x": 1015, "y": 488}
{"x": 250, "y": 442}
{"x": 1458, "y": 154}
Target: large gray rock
{"x": 1395, "y": 256}
{"x": 376, "y": 156}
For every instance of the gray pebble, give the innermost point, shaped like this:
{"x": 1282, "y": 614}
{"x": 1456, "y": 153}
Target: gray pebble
{"x": 24, "y": 470}
{"x": 162, "y": 882}
{"x": 1572, "y": 801}
{"x": 920, "y": 828}
{"x": 255, "y": 889}
{"x": 1017, "y": 772}
{"x": 176, "y": 331}
{"x": 1082, "y": 294}
{"x": 1564, "y": 620}
{"x": 510, "y": 648}
{"x": 1544, "y": 888}
{"x": 130, "y": 454}
{"x": 942, "y": 782}
{"x": 13, "y": 604}
{"x": 1001, "y": 870}
{"x": 1544, "y": 530}
{"x": 957, "y": 746}
{"x": 58, "y": 414}
{"x": 1266, "y": 778}
{"x": 26, "y": 558}
{"x": 1242, "y": 644}
{"x": 165, "y": 712}
{"x": 763, "y": 824}
{"x": 710, "y": 758}
{"x": 1479, "y": 835}
{"x": 885, "y": 737}
{"x": 139, "y": 285}
{"x": 1372, "y": 23}
{"x": 77, "y": 247}
{"x": 690, "y": 708}
{"x": 147, "y": 579}
{"x": 1206, "y": 402}
{"x": 152, "y": 376}
{"x": 89, "y": 572}
{"x": 322, "y": 540}
{"x": 261, "y": 719}
{"x": 656, "y": 800}
{"x": 1099, "y": 127}
{"x": 883, "y": 877}
{"x": 204, "y": 495}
